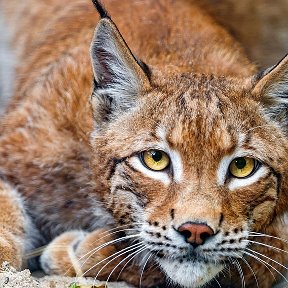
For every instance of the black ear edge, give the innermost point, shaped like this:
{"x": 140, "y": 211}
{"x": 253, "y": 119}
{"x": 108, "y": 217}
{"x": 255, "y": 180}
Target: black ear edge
{"x": 145, "y": 68}
{"x": 266, "y": 71}
{"x": 100, "y": 8}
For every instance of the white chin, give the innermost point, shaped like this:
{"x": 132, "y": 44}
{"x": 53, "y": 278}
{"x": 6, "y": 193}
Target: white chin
{"x": 192, "y": 275}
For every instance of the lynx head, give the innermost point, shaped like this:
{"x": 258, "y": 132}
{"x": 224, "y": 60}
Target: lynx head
{"x": 192, "y": 164}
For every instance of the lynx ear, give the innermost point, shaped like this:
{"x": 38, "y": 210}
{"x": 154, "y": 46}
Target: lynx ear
{"x": 119, "y": 77}
{"x": 272, "y": 90}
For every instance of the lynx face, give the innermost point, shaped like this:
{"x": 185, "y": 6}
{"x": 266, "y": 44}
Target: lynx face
{"x": 187, "y": 162}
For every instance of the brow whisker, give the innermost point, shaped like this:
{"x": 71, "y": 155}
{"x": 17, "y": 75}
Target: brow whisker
{"x": 218, "y": 283}
{"x": 260, "y": 126}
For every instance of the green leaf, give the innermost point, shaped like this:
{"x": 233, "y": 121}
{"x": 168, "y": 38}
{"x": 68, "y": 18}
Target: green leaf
{"x": 74, "y": 285}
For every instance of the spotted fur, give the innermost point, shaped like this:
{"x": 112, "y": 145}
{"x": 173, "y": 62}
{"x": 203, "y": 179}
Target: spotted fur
{"x": 77, "y": 163}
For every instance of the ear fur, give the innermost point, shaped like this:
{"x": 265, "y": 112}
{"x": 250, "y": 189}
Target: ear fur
{"x": 119, "y": 77}
{"x": 272, "y": 91}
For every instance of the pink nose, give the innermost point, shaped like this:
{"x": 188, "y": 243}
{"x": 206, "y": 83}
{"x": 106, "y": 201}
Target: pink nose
{"x": 195, "y": 233}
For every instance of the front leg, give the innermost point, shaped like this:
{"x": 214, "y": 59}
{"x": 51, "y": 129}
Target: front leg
{"x": 12, "y": 223}
{"x": 78, "y": 253}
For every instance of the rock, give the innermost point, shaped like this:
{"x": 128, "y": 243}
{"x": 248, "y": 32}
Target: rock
{"x": 10, "y": 278}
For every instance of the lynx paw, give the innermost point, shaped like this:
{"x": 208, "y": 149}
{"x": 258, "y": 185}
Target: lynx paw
{"x": 70, "y": 253}
{"x": 59, "y": 256}
{"x": 88, "y": 254}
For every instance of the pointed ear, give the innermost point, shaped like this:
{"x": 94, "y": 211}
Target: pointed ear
{"x": 272, "y": 91}
{"x": 119, "y": 76}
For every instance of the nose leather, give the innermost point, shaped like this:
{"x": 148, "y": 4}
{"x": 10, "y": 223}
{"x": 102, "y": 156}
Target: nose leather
{"x": 195, "y": 233}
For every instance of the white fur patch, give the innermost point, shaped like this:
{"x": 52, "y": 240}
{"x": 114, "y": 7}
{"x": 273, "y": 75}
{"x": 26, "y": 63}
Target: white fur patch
{"x": 175, "y": 158}
{"x": 223, "y": 169}
{"x": 236, "y": 183}
{"x": 161, "y": 133}
{"x": 174, "y": 155}
{"x": 177, "y": 165}
{"x": 192, "y": 275}
{"x": 156, "y": 175}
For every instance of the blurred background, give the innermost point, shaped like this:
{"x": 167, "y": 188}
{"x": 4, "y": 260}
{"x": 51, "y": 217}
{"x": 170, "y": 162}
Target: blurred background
{"x": 7, "y": 65}
{"x": 260, "y": 25}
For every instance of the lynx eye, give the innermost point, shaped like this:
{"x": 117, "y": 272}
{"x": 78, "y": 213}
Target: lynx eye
{"x": 156, "y": 160}
{"x": 242, "y": 167}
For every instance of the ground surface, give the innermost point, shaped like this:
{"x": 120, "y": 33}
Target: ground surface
{"x": 9, "y": 278}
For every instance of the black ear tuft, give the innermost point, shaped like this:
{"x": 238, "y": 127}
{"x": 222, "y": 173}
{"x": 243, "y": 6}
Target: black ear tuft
{"x": 100, "y": 8}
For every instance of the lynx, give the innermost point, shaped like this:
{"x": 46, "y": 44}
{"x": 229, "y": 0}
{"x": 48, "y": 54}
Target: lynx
{"x": 172, "y": 172}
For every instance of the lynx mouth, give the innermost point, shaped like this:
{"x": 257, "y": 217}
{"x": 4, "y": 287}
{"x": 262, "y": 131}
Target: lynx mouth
{"x": 192, "y": 273}
{"x": 190, "y": 268}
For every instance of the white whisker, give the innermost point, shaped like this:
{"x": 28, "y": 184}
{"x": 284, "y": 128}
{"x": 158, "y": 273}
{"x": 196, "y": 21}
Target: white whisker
{"x": 260, "y": 126}
{"x": 266, "y": 245}
{"x": 116, "y": 230}
{"x": 96, "y": 249}
{"x": 218, "y": 283}
{"x": 141, "y": 275}
{"x": 133, "y": 254}
{"x": 118, "y": 253}
{"x": 249, "y": 266}
{"x": 265, "y": 263}
{"x": 93, "y": 250}
{"x": 243, "y": 284}
{"x": 255, "y": 234}
{"x": 260, "y": 254}
{"x": 124, "y": 267}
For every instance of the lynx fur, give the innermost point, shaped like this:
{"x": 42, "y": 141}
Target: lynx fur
{"x": 75, "y": 135}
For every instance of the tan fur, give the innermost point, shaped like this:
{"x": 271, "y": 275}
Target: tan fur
{"x": 65, "y": 159}
{"x": 12, "y": 231}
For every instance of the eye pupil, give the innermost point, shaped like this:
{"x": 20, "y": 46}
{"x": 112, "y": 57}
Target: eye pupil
{"x": 156, "y": 155}
{"x": 240, "y": 163}
{"x": 242, "y": 167}
{"x": 155, "y": 160}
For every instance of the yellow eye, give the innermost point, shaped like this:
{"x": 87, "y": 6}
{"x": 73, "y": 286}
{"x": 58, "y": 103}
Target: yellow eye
{"x": 156, "y": 160}
{"x": 242, "y": 167}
